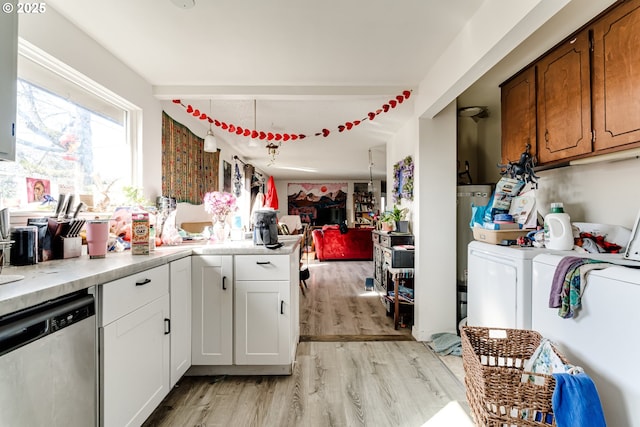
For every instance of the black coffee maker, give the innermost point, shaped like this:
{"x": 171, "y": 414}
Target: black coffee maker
{"x": 265, "y": 227}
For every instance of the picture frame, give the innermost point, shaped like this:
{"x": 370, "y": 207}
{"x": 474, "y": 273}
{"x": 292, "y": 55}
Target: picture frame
{"x": 403, "y": 179}
{"x": 633, "y": 248}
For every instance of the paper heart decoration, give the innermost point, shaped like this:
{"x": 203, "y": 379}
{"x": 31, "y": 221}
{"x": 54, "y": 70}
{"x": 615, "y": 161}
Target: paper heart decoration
{"x": 203, "y": 116}
{"x": 246, "y": 132}
{"x": 263, "y": 135}
{"x": 393, "y": 103}
{"x": 176, "y": 101}
{"x": 349, "y": 125}
{"x": 238, "y": 130}
{"x": 378, "y": 111}
{"x": 270, "y": 136}
{"x": 294, "y": 136}
{"x": 341, "y": 128}
{"x": 224, "y": 126}
{"x": 254, "y": 134}
{"x": 217, "y": 123}
{"x": 400, "y": 99}
{"x": 196, "y": 113}
{"x": 286, "y": 137}
{"x": 371, "y": 116}
{"x": 406, "y": 94}
{"x": 210, "y": 119}
{"x": 356, "y": 122}
{"x": 325, "y": 132}
{"x": 385, "y": 107}
{"x": 189, "y": 109}
{"x": 302, "y": 136}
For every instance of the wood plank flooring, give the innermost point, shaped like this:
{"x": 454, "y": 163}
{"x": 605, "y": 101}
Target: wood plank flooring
{"x": 352, "y": 369}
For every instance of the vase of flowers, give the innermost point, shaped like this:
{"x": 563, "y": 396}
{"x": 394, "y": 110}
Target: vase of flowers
{"x": 220, "y": 204}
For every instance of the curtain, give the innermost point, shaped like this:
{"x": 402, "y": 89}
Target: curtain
{"x": 187, "y": 170}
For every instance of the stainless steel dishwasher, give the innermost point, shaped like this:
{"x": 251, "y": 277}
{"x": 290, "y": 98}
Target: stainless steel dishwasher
{"x": 48, "y": 364}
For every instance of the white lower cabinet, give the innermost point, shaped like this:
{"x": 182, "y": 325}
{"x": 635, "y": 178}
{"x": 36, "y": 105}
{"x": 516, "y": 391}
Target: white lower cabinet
{"x": 134, "y": 346}
{"x": 212, "y": 310}
{"x": 262, "y": 322}
{"x": 180, "y": 292}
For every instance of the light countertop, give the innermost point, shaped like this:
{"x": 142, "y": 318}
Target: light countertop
{"x": 51, "y": 279}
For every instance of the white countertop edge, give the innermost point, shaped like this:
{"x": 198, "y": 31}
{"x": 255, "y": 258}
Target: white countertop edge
{"x": 51, "y": 279}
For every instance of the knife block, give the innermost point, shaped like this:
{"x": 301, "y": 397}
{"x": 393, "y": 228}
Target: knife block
{"x": 71, "y": 247}
{"x": 55, "y": 231}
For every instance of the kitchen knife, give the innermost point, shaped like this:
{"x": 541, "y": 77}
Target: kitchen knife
{"x": 60, "y": 205}
{"x": 70, "y": 204}
{"x": 81, "y": 206}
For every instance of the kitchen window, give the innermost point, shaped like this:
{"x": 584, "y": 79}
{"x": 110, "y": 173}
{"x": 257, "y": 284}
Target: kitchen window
{"x": 72, "y": 136}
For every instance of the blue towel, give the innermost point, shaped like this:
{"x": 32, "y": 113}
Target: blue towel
{"x": 576, "y": 402}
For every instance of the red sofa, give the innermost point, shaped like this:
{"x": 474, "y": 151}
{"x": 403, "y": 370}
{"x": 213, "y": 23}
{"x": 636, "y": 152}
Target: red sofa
{"x": 355, "y": 244}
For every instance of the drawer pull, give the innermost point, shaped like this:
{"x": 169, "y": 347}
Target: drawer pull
{"x": 281, "y": 306}
{"x": 224, "y": 283}
{"x": 167, "y": 326}
{"x": 143, "y": 282}
{"x": 263, "y": 262}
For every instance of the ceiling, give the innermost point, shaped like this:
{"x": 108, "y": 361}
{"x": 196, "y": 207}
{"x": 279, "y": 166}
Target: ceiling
{"x": 309, "y": 66}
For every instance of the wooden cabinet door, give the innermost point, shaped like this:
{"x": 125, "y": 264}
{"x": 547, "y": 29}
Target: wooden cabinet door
{"x": 8, "y": 83}
{"x": 180, "y": 292}
{"x": 616, "y": 77}
{"x": 262, "y": 322}
{"x": 519, "y": 116}
{"x": 212, "y": 310}
{"x": 564, "y": 101}
{"x": 135, "y": 364}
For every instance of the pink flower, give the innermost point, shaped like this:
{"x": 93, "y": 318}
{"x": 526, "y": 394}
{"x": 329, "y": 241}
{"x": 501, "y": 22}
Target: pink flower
{"x": 219, "y": 203}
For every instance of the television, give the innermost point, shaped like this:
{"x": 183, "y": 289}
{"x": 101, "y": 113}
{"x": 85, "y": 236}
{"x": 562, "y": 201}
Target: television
{"x": 327, "y": 216}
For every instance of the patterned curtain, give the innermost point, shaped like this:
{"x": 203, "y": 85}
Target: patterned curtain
{"x": 187, "y": 170}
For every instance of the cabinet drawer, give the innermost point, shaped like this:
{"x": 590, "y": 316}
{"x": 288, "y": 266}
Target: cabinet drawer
{"x": 122, "y": 296}
{"x": 262, "y": 267}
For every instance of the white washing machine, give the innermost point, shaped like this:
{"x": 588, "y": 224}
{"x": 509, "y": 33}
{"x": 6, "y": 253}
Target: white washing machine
{"x": 499, "y": 285}
{"x": 602, "y": 337}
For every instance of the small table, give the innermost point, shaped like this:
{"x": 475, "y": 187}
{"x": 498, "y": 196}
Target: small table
{"x": 397, "y": 274}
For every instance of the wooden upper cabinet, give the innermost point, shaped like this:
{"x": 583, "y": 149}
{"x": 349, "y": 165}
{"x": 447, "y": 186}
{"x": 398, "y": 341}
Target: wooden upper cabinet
{"x": 564, "y": 101}
{"x": 616, "y": 77}
{"x": 519, "y": 115}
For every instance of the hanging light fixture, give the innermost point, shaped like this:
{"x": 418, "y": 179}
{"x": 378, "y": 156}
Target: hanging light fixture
{"x": 273, "y": 150}
{"x": 253, "y": 142}
{"x": 210, "y": 143}
{"x": 370, "y": 184}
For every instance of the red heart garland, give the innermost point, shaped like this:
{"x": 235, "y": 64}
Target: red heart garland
{"x": 393, "y": 103}
{"x": 325, "y": 132}
{"x": 263, "y": 135}
{"x": 294, "y": 136}
{"x": 356, "y": 122}
{"x": 232, "y": 128}
{"x": 286, "y": 137}
{"x": 254, "y": 134}
{"x": 278, "y": 137}
{"x": 224, "y": 126}
{"x": 371, "y": 116}
{"x": 210, "y": 119}
{"x": 340, "y": 128}
{"x": 400, "y": 99}
{"x": 385, "y": 107}
{"x": 196, "y": 113}
{"x": 270, "y": 136}
{"x": 189, "y": 109}
{"x": 203, "y": 116}
{"x": 247, "y": 132}
{"x": 238, "y": 130}
{"x": 302, "y": 136}
{"x": 349, "y": 125}
{"x": 217, "y": 122}
{"x": 406, "y": 94}
{"x": 176, "y": 101}
{"x": 378, "y": 111}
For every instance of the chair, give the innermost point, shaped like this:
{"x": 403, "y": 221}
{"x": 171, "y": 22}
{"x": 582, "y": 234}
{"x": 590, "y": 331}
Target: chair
{"x": 292, "y": 222}
{"x": 304, "y": 272}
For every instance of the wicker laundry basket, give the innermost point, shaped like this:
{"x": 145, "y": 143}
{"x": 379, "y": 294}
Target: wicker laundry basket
{"x": 493, "y": 372}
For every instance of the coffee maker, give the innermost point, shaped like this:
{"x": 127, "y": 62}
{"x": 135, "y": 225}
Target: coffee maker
{"x": 265, "y": 227}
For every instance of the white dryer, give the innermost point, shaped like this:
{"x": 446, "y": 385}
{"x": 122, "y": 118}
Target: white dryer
{"x": 499, "y": 285}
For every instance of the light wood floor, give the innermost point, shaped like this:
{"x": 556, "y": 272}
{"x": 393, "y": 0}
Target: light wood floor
{"x": 352, "y": 369}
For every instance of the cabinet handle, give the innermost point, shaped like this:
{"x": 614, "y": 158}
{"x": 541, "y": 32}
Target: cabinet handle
{"x": 143, "y": 282}
{"x": 281, "y": 306}
{"x": 167, "y": 326}
{"x": 263, "y": 262}
{"x": 224, "y": 283}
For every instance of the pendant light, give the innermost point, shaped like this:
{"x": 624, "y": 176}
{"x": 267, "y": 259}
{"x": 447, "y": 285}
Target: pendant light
{"x": 370, "y": 184}
{"x": 253, "y": 142}
{"x": 210, "y": 143}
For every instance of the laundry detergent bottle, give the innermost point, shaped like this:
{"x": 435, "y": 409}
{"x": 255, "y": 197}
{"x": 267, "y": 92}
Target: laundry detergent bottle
{"x": 558, "y": 234}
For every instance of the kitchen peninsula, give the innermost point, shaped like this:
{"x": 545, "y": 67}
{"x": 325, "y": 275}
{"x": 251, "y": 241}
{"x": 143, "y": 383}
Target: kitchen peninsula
{"x": 229, "y": 308}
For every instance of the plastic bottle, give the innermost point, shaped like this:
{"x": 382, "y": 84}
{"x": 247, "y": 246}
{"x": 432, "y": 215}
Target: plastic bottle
{"x": 558, "y": 234}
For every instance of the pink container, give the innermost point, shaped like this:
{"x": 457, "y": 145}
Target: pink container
{"x": 97, "y": 236}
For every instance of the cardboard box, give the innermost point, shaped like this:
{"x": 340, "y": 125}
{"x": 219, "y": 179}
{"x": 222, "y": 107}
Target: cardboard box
{"x": 497, "y": 236}
{"x": 140, "y": 233}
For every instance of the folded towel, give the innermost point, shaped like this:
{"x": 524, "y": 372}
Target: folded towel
{"x": 576, "y": 402}
{"x": 446, "y": 343}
